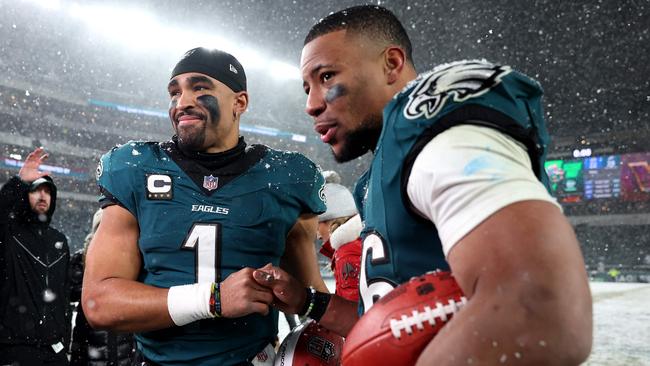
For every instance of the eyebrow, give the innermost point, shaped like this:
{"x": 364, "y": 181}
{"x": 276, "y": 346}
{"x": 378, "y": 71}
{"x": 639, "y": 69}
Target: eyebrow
{"x": 316, "y": 70}
{"x": 200, "y": 79}
{"x": 192, "y": 81}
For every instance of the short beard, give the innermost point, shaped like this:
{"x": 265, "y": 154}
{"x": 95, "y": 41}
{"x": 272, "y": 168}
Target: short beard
{"x": 195, "y": 142}
{"x": 360, "y": 140}
{"x": 38, "y": 211}
{"x": 191, "y": 141}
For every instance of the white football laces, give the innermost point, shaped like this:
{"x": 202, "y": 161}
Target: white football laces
{"x": 418, "y": 318}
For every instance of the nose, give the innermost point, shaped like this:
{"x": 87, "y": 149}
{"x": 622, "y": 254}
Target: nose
{"x": 185, "y": 100}
{"x": 315, "y": 104}
{"x": 42, "y": 197}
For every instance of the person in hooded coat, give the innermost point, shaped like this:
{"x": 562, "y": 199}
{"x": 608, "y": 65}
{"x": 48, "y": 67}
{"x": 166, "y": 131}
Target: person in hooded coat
{"x": 34, "y": 259}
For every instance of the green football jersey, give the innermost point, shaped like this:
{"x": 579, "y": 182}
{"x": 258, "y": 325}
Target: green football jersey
{"x": 200, "y": 225}
{"x": 398, "y": 243}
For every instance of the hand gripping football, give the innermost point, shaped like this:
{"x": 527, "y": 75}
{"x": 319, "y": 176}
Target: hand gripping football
{"x": 399, "y": 326}
{"x": 310, "y": 344}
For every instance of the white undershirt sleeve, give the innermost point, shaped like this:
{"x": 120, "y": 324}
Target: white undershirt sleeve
{"x": 466, "y": 174}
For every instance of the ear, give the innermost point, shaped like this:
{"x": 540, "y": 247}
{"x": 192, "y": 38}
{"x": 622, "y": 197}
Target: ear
{"x": 240, "y": 103}
{"x": 394, "y": 63}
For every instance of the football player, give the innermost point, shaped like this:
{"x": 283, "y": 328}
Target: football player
{"x": 186, "y": 221}
{"x": 457, "y": 182}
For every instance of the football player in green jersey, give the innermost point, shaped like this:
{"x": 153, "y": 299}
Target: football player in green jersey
{"x": 187, "y": 220}
{"x": 456, "y": 182}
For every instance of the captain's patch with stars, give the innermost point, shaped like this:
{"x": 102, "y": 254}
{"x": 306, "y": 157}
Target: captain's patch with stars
{"x": 159, "y": 187}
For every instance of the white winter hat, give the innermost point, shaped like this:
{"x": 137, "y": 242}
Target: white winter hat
{"x": 339, "y": 200}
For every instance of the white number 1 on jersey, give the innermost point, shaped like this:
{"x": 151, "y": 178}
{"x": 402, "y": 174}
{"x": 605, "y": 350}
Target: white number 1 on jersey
{"x": 204, "y": 239}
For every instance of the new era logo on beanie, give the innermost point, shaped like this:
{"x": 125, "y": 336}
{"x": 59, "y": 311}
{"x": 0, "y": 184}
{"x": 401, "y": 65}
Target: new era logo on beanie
{"x": 215, "y": 63}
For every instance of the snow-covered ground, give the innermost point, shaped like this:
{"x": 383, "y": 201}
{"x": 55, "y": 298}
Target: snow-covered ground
{"x": 621, "y": 324}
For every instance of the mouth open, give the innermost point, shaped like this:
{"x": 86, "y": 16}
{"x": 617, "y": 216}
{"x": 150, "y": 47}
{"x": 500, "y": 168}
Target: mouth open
{"x": 326, "y": 131}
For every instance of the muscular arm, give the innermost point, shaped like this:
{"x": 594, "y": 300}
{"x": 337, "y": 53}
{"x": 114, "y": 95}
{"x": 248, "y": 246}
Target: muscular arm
{"x": 511, "y": 249}
{"x": 299, "y": 257}
{"x": 341, "y": 315}
{"x": 290, "y": 296}
{"x": 301, "y": 268}
{"x": 529, "y": 297}
{"x": 111, "y": 297}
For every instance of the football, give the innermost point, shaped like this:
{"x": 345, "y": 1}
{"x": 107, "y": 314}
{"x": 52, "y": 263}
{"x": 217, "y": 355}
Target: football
{"x": 309, "y": 344}
{"x": 399, "y": 326}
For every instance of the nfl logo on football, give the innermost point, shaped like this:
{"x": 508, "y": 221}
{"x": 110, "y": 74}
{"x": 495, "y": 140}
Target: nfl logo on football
{"x": 210, "y": 182}
{"x": 321, "y": 348}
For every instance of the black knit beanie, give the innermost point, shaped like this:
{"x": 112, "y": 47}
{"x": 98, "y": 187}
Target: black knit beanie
{"x": 214, "y": 63}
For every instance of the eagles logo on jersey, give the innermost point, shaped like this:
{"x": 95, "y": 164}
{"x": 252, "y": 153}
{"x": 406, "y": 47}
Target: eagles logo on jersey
{"x": 397, "y": 243}
{"x": 100, "y": 170}
{"x": 462, "y": 80}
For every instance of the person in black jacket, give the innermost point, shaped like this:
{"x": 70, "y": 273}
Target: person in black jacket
{"x": 94, "y": 346}
{"x": 34, "y": 257}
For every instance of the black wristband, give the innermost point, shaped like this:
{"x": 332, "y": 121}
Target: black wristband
{"x": 321, "y": 301}
{"x": 308, "y": 301}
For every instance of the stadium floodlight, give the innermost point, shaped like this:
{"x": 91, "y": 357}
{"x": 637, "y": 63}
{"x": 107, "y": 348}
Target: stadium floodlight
{"x": 282, "y": 71}
{"x": 139, "y": 30}
{"x": 129, "y": 26}
{"x": 249, "y": 58}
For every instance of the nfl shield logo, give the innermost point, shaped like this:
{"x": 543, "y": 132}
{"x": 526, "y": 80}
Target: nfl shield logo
{"x": 321, "y": 348}
{"x": 210, "y": 182}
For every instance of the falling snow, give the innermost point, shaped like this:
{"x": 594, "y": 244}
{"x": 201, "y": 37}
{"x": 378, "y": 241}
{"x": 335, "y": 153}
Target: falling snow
{"x": 71, "y": 86}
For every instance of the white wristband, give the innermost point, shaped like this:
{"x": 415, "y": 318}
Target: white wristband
{"x": 189, "y": 303}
